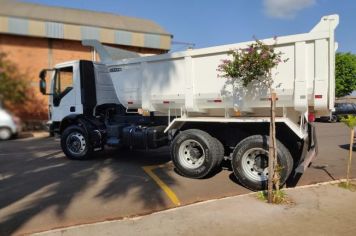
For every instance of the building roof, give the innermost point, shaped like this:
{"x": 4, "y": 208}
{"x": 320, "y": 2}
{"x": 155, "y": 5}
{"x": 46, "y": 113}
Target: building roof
{"x": 78, "y": 17}
{"x": 74, "y": 24}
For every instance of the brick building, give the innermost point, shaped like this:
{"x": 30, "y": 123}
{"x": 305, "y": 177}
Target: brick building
{"x": 35, "y": 37}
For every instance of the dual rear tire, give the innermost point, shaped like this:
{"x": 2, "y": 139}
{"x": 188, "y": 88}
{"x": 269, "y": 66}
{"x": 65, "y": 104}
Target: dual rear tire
{"x": 196, "y": 154}
{"x": 250, "y": 162}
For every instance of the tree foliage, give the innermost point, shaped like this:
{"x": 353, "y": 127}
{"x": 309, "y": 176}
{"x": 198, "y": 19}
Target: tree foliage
{"x": 349, "y": 121}
{"x": 252, "y": 63}
{"x": 16, "y": 94}
{"x": 13, "y": 86}
{"x": 345, "y": 74}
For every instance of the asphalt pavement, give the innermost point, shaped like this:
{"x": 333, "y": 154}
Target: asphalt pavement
{"x": 40, "y": 189}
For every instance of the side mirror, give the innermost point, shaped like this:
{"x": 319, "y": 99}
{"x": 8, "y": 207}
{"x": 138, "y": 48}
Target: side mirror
{"x": 43, "y": 74}
{"x": 43, "y": 86}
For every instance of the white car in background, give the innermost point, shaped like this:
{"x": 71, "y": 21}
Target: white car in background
{"x": 9, "y": 125}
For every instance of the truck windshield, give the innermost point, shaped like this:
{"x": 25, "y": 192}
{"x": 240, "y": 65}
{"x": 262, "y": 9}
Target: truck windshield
{"x": 63, "y": 83}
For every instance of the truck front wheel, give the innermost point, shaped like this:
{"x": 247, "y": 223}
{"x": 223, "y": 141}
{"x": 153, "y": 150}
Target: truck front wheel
{"x": 75, "y": 143}
{"x": 194, "y": 153}
{"x": 250, "y": 162}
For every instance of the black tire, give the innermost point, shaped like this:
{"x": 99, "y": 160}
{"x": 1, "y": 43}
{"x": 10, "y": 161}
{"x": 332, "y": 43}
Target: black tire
{"x": 195, "y": 142}
{"x": 249, "y": 162}
{"x": 220, "y": 155}
{"x": 5, "y": 133}
{"x": 51, "y": 130}
{"x": 333, "y": 119}
{"x": 82, "y": 149}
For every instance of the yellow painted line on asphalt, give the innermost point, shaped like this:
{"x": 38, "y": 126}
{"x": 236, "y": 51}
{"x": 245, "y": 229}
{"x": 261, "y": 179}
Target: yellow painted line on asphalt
{"x": 171, "y": 195}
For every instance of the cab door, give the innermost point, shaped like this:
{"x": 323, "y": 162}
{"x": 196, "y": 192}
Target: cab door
{"x": 64, "y": 99}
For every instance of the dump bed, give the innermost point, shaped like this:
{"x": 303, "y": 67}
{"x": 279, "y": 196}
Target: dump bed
{"x": 189, "y": 80}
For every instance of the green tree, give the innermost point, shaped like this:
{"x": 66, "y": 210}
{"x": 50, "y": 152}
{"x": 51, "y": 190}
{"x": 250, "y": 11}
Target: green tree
{"x": 13, "y": 88}
{"x": 345, "y": 73}
{"x": 255, "y": 64}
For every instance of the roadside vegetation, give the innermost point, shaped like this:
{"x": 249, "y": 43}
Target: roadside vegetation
{"x": 252, "y": 66}
{"x": 345, "y": 74}
{"x": 278, "y": 197}
{"x": 350, "y": 122}
{"x": 348, "y": 186}
{"x": 16, "y": 93}
{"x": 13, "y": 88}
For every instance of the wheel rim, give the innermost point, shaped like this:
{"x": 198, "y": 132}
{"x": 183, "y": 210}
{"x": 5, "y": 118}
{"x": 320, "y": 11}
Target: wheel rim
{"x": 5, "y": 134}
{"x": 255, "y": 164}
{"x": 191, "y": 154}
{"x": 76, "y": 143}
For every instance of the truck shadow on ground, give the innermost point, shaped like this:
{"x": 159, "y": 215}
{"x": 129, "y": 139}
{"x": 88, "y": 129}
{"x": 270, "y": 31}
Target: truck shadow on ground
{"x": 32, "y": 183}
{"x": 347, "y": 147}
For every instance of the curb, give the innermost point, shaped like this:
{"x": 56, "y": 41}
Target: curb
{"x": 29, "y": 134}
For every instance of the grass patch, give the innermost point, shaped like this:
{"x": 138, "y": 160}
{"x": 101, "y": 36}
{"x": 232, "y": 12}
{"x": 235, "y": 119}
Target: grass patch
{"x": 349, "y": 186}
{"x": 262, "y": 195}
{"x": 278, "y": 197}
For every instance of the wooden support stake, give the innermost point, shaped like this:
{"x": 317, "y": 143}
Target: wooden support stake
{"x": 272, "y": 148}
{"x": 352, "y": 133}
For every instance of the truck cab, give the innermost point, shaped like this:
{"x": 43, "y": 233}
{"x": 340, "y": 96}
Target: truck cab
{"x": 64, "y": 91}
{"x": 73, "y": 90}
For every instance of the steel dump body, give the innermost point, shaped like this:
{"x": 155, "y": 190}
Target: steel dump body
{"x": 189, "y": 80}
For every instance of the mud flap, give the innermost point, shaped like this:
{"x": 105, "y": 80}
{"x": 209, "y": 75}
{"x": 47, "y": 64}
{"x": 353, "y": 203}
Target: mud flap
{"x": 310, "y": 150}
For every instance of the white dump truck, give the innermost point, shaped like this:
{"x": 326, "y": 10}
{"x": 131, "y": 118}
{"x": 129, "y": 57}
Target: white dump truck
{"x": 178, "y": 99}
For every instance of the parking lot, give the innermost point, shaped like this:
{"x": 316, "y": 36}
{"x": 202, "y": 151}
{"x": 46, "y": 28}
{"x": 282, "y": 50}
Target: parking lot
{"x": 40, "y": 189}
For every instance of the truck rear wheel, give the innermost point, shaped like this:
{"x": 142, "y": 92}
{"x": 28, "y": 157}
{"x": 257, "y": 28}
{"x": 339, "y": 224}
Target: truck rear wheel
{"x": 75, "y": 143}
{"x": 194, "y": 153}
{"x": 250, "y": 162}
{"x": 220, "y": 156}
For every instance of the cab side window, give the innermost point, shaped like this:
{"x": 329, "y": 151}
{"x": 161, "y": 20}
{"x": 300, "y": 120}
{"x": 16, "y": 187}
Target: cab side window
{"x": 63, "y": 84}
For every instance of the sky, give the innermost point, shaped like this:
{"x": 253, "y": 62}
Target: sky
{"x": 215, "y": 22}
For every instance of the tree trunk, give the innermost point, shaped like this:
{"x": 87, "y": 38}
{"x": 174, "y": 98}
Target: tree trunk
{"x": 272, "y": 148}
{"x": 352, "y": 133}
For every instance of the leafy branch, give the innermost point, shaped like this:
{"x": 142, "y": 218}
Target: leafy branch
{"x": 255, "y": 63}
